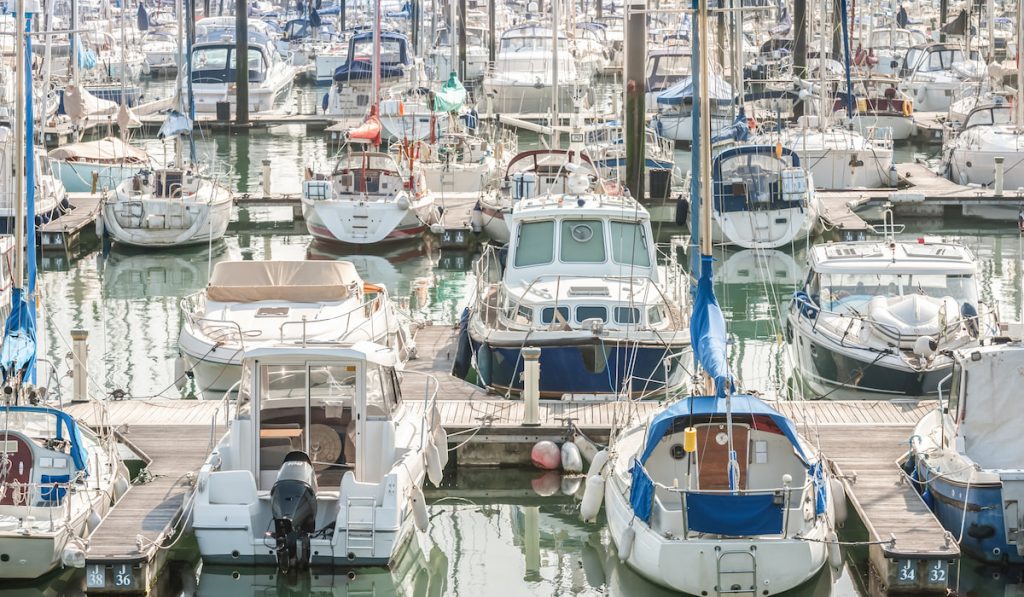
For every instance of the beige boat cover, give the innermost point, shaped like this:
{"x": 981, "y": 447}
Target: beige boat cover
{"x": 109, "y": 150}
{"x": 296, "y": 281}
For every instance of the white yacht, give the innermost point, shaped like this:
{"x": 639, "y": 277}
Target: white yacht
{"x": 931, "y": 73}
{"x": 213, "y": 66}
{"x": 989, "y": 132}
{"x": 167, "y": 207}
{"x": 439, "y": 59}
{"x": 521, "y": 80}
{"x": 250, "y": 304}
{"x": 323, "y": 464}
{"x": 59, "y": 479}
{"x": 351, "y": 89}
{"x": 880, "y": 317}
{"x": 674, "y": 119}
{"x": 368, "y": 199}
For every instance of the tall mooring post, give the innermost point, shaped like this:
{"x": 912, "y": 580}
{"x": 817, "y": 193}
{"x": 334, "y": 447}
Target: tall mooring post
{"x": 462, "y": 40}
{"x": 636, "y": 81}
{"x": 491, "y": 33}
{"x": 799, "y": 46}
{"x": 241, "y": 62}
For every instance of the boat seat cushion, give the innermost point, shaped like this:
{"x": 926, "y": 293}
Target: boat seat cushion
{"x": 232, "y": 488}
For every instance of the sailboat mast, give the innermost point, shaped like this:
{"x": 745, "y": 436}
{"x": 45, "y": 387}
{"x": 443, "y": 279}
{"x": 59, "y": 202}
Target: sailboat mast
{"x": 822, "y": 48}
{"x": 1018, "y": 108}
{"x": 554, "y": 72}
{"x": 705, "y": 124}
{"x": 375, "y": 80}
{"x": 19, "y": 148}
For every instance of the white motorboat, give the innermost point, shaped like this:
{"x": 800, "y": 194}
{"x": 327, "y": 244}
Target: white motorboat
{"x": 351, "y": 90}
{"x": 50, "y": 196}
{"x": 460, "y": 162}
{"x": 161, "y": 50}
{"x": 674, "y": 119}
{"x": 323, "y": 464}
{"x": 92, "y": 166}
{"x": 582, "y": 285}
{"x": 213, "y": 66}
{"x": 889, "y": 47}
{"x": 439, "y": 59}
{"x": 522, "y": 78}
{"x": 59, "y": 479}
{"x": 368, "y": 199}
{"x": 167, "y": 207}
{"x": 880, "y": 317}
{"x": 931, "y": 73}
{"x": 250, "y": 304}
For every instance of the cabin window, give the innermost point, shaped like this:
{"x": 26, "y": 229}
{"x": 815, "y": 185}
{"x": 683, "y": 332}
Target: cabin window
{"x": 547, "y": 315}
{"x": 654, "y": 315}
{"x": 536, "y": 243}
{"x": 586, "y": 312}
{"x": 582, "y": 241}
{"x": 524, "y": 315}
{"x": 627, "y": 315}
{"x": 396, "y": 388}
{"x": 953, "y": 402}
{"x": 210, "y": 59}
{"x": 380, "y": 394}
{"x": 629, "y": 244}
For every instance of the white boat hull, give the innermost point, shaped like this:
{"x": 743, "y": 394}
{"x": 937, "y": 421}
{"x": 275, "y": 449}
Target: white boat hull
{"x": 763, "y": 229}
{"x": 678, "y": 127}
{"x": 167, "y": 222}
{"x": 367, "y": 222}
{"x": 900, "y": 128}
{"x": 974, "y": 166}
{"x": 521, "y": 97}
{"x": 261, "y": 96}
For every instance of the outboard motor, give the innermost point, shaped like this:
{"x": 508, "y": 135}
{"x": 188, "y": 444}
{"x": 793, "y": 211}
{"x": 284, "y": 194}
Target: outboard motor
{"x": 293, "y": 506}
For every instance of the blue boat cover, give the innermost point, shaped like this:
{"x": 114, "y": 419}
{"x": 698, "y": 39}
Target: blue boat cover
{"x": 733, "y": 515}
{"x": 451, "y": 96}
{"x": 739, "y": 130}
{"x": 66, "y": 424}
{"x": 142, "y": 18}
{"x": 707, "y": 330}
{"x": 354, "y": 69}
{"x": 719, "y": 92}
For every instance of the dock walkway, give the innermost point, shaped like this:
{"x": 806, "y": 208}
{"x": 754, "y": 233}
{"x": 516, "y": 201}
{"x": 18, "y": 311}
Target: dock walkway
{"x": 861, "y": 439}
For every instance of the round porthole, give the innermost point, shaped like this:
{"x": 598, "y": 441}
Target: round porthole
{"x": 677, "y": 451}
{"x": 969, "y": 164}
{"x": 581, "y": 233}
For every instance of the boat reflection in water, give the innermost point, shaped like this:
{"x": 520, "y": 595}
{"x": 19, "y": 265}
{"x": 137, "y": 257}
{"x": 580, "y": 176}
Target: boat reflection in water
{"x": 420, "y": 571}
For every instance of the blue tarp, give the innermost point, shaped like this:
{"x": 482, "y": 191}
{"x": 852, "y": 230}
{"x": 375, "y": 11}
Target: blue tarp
{"x": 354, "y": 69}
{"x": 641, "y": 493}
{"x": 707, "y": 330}
{"x": 142, "y": 18}
{"x": 733, "y": 515}
{"x": 66, "y": 427}
{"x": 739, "y": 130}
{"x": 19, "y": 347}
{"x": 719, "y": 92}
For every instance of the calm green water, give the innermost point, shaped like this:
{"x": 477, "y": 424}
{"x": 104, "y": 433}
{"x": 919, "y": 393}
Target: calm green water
{"x": 519, "y": 544}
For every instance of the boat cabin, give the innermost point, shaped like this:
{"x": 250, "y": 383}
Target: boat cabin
{"x": 997, "y": 114}
{"x": 752, "y": 177}
{"x": 395, "y": 60}
{"x": 215, "y": 62}
{"x": 46, "y": 453}
{"x": 666, "y": 68}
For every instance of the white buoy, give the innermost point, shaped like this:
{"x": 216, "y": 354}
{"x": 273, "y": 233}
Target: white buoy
{"x": 835, "y": 555}
{"x": 419, "y": 508}
{"x": 593, "y": 497}
{"x": 587, "y": 448}
{"x": 179, "y": 373}
{"x": 94, "y": 520}
{"x": 626, "y": 543}
{"x": 572, "y": 460}
{"x": 597, "y": 463}
{"x": 99, "y": 225}
{"x": 73, "y": 556}
{"x": 434, "y": 470}
{"x": 839, "y": 501}
{"x": 546, "y": 455}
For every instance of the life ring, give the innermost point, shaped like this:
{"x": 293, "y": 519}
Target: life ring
{"x": 908, "y": 108}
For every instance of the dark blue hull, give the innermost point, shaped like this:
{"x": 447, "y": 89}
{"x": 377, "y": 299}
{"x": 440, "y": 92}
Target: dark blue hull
{"x": 984, "y": 534}
{"x": 7, "y": 222}
{"x": 584, "y": 368}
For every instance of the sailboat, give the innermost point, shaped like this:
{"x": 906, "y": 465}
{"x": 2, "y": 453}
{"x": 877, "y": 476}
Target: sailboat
{"x": 57, "y": 478}
{"x": 719, "y": 481}
{"x": 172, "y": 206}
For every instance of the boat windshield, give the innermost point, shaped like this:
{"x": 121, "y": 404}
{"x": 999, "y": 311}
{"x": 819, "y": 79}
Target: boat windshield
{"x": 989, "y": 116}
{"x": 583, "y": 241}
{"x": 751, "y": 166}
{"x": 669, "y": 65}
{"x": 529, "y": 44}
{"x": 838, "y": 290}
{"x": 390, "y": 51}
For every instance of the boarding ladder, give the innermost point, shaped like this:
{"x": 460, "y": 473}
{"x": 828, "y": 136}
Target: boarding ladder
{"x": 736, "y": 572}
{"x": 361, "y": 525}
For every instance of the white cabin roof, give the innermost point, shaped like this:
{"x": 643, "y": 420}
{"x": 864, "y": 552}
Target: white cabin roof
{"x": 369, "y": 352}
{"x": 590, "y": 205}
{"x": 900, "y": 258}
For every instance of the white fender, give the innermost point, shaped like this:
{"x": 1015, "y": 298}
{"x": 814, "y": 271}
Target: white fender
{"x": 572, "y": 460}
{"x": 94, "y": 520}
{"x": 626, "y": 543}
{"x": 597, "y": 463}
{"x": 839, "y": 501}
{"x": 419, "y": 508}
{"x": 434, "y": 470}
{"x": 73, "y": 556}
{"x": 835, "y": 555}
{"x": 571, "y": 485}
{"x": 99, "y": 225}
{"x": 593, "y": 497}
{"x": 121, "y": 486}
{"x": 179, "y": 371}
{"x": 587, "y": 448}
{"x": 440, "y": 439}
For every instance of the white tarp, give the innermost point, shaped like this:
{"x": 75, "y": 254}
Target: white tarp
{"x": 991, "y": 407}
{"x": 295, "y": 281}
{"x": 109, "y": 150}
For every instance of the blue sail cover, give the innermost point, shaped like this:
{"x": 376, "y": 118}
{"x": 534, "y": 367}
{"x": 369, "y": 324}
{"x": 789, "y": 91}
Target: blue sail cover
{"x": 142, "y": 18}
{"x": 362, "y": 69}
{"x": 19, "y": 348}
{"x": 739, "y": 130}
{"x": 719, "y": 92}
{"x": 66, "y": 425}
{"x": 707, "y": 330}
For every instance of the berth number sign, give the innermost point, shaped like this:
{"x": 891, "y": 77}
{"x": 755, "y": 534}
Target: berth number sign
{"x": 96, "y": 576}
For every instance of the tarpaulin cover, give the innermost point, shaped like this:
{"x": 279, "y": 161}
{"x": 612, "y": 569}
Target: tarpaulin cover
{"x": 739, "y": 130}
{"x": 451, "y": 95}
{"x": 734, "y": 515}
{"x": 142, "y": 18}
{"x": 719, "y": 92}
{"x": 296, "y": 281}
{"x": 363, "y": 70}
{"x": 65, "y": 423}
{"x": 369, "y": 130}
{"x": 641, "y": 493}
{"x": 707, "y": 330}
{"x": 107, "y": 150}
{"x": 19, "y": 348}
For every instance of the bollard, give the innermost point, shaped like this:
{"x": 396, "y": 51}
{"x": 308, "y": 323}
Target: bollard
{"x": 266, "y": 177}
{"x": 999, "y": 176}
{"x": 80, "y": 369}
{"x": 531, "y": 386}
{"x": 95, "y": 184}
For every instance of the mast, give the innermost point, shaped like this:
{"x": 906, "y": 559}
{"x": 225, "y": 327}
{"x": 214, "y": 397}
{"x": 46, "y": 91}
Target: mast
{"x": 19, "y": 146}
{"x": 554, "y": 72}
{"x": 375, "y": 80}
{"x": 822, "y": 47}
{"x": 1018, "y": 108}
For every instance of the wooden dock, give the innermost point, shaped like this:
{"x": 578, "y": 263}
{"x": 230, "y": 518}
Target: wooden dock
{"x": 64, "y": 233}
